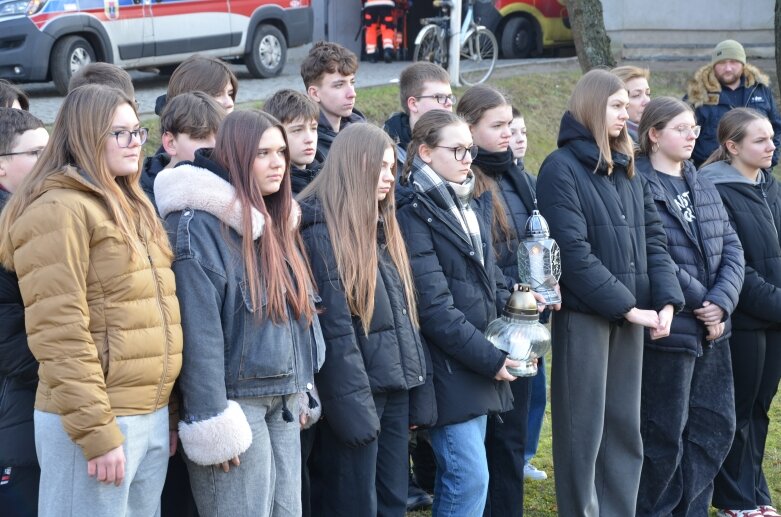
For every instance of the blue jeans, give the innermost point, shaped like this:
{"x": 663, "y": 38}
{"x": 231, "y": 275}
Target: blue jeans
{"x": 538, "y": 399}
{"x": 461, "y": 483}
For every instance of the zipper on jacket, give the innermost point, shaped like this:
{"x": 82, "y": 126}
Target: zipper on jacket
{"x": 165, "y": 326}
{"x": 772, "y": 220}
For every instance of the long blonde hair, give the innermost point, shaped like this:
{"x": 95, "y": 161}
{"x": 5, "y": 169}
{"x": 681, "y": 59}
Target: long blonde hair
{"x": 78, "y": 139}
{"x": 347, "y": 189}
{"x": 588, "y": 103}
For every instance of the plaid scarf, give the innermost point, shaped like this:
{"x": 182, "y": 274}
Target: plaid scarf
{"x": 454, "y": 199}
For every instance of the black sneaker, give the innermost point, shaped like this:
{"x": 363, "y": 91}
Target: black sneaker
{"x": 387, "y": 54}
{"x": 372, "y": 57}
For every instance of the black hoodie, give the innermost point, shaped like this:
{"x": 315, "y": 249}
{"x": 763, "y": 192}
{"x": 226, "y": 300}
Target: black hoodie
{"x": 755, "y": 212}
{"x": 326, "y": 134}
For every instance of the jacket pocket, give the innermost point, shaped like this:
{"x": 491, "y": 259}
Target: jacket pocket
{"x": 101, "y": 342}
{"x": 267, "y": 348}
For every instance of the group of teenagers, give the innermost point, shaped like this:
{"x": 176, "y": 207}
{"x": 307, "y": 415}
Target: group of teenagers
{"x": 279, "y": 296}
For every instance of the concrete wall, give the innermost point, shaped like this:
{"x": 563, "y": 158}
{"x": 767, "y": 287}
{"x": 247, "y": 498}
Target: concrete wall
{"x": 672, "y": 28}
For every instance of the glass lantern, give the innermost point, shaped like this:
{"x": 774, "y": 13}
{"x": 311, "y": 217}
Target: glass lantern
{"x": 539, "y": 261}
{"x": 519, "y": 333}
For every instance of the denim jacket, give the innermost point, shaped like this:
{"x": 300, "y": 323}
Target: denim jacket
{"x": 230, "y": 351}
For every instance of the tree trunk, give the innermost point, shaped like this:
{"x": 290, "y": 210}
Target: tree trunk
{"x": 778, "y": 42}
{"x": 592, "y": 43}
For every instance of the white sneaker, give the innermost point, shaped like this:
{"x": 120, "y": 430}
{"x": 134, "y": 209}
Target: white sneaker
{"x": 533, "y": 473}
{"x": 769, "y": 511}
{"x": 756, "y": 512}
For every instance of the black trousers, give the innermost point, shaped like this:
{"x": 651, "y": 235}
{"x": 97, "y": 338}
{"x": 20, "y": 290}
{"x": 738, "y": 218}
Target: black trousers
{"x": 366, "y": 481}
{"x": 687, "y": 422}
{"x": 19, "y": 491}
{"x": 756, "y": 367}
{"x": 307, "y": 443}
{"x": 177, "y": 497}
{"x": 505, "y": 444}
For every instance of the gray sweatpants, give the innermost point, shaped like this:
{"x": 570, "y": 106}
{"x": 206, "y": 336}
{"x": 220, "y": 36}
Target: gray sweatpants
{"x": 67, "y": 490}
{"x": 595, "y": 404}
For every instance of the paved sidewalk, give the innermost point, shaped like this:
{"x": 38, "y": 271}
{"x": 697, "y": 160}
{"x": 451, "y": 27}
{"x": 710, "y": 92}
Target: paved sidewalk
{"x": 45, "y": 101}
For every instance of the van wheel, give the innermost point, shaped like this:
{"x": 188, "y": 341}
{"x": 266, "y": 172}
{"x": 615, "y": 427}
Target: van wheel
{"x": 268, "y": 53}
{"x": 519, "y": 39}
{"x": 69, "y": 55}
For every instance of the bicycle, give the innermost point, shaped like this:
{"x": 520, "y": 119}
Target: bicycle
{"x": 479, "y": 49}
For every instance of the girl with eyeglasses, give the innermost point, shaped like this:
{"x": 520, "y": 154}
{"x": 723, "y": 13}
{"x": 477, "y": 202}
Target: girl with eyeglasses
{"x": 252, "y": 337}
{"x": 687, "y": 402}
{"x": 616, "y": 278}
{"x": 369, "y": 319}
{"x": 740, "y": 168}
{"x": 101, "y": 312}
{"x": 496, "y": 170}
{"x": 459, "y": 289}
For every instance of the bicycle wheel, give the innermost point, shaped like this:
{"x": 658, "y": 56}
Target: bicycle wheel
{"x": 478, "y": 56}
{"x": 430, "y": 46}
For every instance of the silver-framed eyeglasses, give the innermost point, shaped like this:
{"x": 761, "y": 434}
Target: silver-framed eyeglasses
{"x": 441, "y": 98}
{"x": 685, "y": 131}
{"x": 32, "y": 153}
{"x": 460, "y": 152}
{"x": 125, "y": 136}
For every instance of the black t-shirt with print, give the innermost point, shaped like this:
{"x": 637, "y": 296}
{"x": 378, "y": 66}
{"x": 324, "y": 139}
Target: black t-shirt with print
{"x": 679, "y": 190}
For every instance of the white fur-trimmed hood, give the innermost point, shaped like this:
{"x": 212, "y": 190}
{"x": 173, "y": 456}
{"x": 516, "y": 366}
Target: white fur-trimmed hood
{"x": 188, "y": 186}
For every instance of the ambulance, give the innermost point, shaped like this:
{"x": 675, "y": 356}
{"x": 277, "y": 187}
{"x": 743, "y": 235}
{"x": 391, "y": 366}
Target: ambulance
{"x": 49, "y": 40}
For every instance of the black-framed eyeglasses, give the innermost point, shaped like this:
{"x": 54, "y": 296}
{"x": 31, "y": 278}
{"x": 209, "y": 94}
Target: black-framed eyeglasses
{"x": 441, "y": 98}
{"x": 125, "y": 137}
{"x": 459, "y": 153}
{"x": 34, "y": 153}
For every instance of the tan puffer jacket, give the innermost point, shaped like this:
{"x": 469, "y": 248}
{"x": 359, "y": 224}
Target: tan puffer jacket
{"x": 105, "y": 327}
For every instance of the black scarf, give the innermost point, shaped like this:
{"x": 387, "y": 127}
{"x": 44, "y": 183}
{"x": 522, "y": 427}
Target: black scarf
{"x": 493, "y": 164}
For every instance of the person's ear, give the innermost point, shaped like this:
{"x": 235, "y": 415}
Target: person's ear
{"x": 169, "y": 143}
{"x": 424, "y": 152}
{"x": 653, "y": 135}
{"x": 732, "y": 148}
{"x": 314, "y": 93}
{"x": 412, "y": 104}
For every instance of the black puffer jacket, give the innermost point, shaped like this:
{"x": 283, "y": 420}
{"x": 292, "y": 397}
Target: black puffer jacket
{"x": 18, "y": 375}
{"x": 326, "y": 134}
{"x": 709, "y": 264}
{"x": 149, "y": 171}
{"x": 517, "y": 191}
{"x": 613, "y": 248}
{"x": 755, "y": 213}
{"x": 390, "y": 358}
{"x": 457, "y": 298}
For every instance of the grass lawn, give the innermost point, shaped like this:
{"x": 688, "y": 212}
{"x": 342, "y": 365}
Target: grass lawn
{"x": 542, "y": 98}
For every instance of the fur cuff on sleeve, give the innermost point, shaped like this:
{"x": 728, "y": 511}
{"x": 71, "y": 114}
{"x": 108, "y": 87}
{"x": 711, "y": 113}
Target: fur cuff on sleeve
{"x": 216, "y": 439}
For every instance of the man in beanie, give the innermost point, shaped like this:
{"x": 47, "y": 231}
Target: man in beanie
{"x": 728, "y": 82}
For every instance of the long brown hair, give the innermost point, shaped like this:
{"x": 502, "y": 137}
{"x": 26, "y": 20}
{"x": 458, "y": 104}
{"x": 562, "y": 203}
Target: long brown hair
{"x": 347, "y": 189}
{"x": 732, "y": 128}
{"x": 588, "y": 103}
{"x": 472, "y": 106}
{"x": 282, "y": 271}
{"x": 78, "y": 139}
{"x": 657, "y": 114}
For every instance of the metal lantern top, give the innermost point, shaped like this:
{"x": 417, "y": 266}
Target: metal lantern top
{"x": 537, "y": 226}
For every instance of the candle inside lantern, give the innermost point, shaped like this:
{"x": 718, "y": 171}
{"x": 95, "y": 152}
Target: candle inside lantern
{"x": 537, "y": 265}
